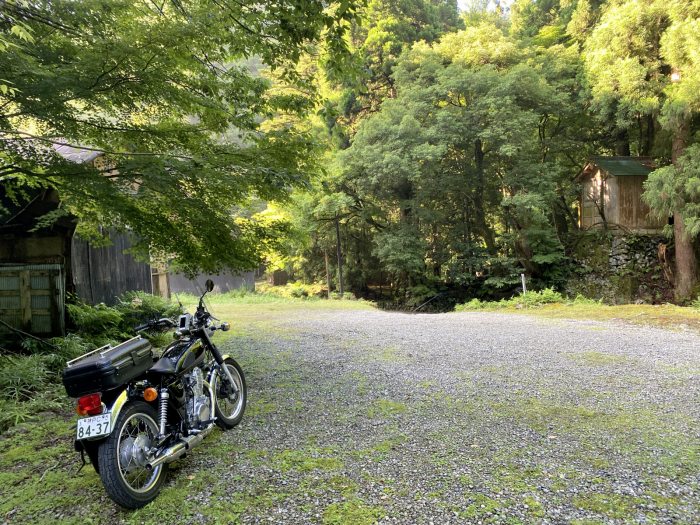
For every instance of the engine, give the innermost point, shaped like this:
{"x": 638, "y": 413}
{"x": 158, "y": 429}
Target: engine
{"x": 198, "y": 402}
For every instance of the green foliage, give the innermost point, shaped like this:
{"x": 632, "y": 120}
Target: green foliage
{"x": 677, "y": 188}
{"x": 12, "y": 412}
{"x": 526, "y": 300}
{"x": 296, "y": 290}
{"x": 188, "y": 128}
{"x": 138, "y": 307}
{"x": 102, "y": 323}
{"x": 29, "y": 383}
{"x": 22, "y": 376}
{"x": 354, "y": 511}
{"x": 100, "y": 320}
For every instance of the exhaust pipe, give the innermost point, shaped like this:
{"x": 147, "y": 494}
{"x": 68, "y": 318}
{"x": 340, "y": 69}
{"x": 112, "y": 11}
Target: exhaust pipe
{"x": 179, "y": 449}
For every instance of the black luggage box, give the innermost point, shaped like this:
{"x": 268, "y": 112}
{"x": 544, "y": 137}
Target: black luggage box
{"x": 107, "y": 367}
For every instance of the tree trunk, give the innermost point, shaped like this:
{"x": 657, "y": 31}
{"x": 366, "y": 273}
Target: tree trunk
{"x": 479, "y": 199}
{"x": 622, "y": 142}
{"x": 686, "y": 265}
{"x": 340, "y": 257}
{"x": 649, "y": 137}
{"x": 328, "y": 273}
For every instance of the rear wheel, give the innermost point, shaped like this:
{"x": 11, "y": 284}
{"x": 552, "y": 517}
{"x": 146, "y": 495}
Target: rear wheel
{"x": 230, "y": 403}
{"x": 124, "y": 454}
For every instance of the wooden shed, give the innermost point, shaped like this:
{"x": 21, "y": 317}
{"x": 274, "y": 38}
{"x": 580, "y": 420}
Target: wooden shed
{"x": 611, "y": 196}
{"x": 34, "y": 264}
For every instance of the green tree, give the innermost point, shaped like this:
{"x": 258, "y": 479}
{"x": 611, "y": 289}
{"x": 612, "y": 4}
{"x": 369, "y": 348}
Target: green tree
{"x": 472, "y": 158}
{"x": 164, "y": 92}
{"x": 641, "y": 62}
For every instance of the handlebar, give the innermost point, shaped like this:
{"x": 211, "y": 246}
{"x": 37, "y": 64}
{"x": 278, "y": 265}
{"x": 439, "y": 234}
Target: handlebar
{"x": 155, "y": 323}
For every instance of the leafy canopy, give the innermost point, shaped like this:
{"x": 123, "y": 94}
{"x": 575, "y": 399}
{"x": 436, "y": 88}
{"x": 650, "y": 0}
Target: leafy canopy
{"x": 172, "y": 96}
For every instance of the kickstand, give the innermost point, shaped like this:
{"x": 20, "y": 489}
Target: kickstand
{"x": 82, "y": 458}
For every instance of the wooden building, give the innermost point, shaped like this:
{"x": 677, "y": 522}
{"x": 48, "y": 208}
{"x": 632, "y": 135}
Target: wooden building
{"x": 39, "y": 265}
{"x": 102, "y": 273}
{"x": 611, "y": 196}
{"x": 34, "y": 264}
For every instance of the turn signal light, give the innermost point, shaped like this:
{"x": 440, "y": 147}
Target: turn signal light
{"x": 90, "y": 405}
{"x": 150, "y": 394}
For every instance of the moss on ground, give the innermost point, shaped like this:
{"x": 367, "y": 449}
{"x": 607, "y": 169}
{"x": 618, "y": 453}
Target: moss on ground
{"x": 664, "y": 316}
{"x": 353, "y": 511}
{"x": 383, "y": 408}
{"x": 306, "y": 460}
{"x": 594, "y": 358}
{"x": 616, "y": 506}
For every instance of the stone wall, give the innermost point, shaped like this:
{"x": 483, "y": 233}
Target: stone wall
{"x": 620, "y": 268}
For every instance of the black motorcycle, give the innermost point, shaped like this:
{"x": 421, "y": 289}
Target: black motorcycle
{"x": 141, "y": 413}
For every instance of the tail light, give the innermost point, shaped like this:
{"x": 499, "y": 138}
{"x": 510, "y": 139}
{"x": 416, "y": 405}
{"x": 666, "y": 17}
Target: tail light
{"x": 90, "y": 405}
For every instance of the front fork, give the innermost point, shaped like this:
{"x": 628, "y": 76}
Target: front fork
{"x": 219, "y": 358}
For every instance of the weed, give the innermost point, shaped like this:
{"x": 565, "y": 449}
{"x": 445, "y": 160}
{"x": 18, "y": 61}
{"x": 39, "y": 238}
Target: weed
{"x": 23, "y": 376}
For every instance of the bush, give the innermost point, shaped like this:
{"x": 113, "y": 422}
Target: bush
{"x": 474, "y": 304}
{"x": 23, "y": 376}
{"x": 100, "y": 320}
{"x": 526, "y": 300}
{"x": 294, "y": 290}
{"x": 534, "y": 299}
{"x": 136, "y": 308}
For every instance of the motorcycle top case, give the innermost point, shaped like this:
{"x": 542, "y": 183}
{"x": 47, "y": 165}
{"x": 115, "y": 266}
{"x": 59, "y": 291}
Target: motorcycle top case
{"x": 108, "y": 367}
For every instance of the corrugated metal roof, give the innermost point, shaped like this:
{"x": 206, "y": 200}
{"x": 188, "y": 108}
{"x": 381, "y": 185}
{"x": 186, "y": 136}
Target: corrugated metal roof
{"x": 76, "y": 154}
{"x": 624, "y": 166}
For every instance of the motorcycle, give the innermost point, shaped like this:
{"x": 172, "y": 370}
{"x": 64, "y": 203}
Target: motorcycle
{"x": 140, "y": 413}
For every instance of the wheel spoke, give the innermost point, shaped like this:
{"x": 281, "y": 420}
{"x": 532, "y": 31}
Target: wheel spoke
{"x": 135, "y": 436}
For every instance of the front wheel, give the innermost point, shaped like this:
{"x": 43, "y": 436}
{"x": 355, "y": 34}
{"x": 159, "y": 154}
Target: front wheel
{"x": 230, "y": 404}
{"x": 124, "y": 454}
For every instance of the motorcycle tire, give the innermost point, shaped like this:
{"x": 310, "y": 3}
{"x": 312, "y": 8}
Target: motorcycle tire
{"x": 229, "y": 412}
{"x": 122, "y": 457}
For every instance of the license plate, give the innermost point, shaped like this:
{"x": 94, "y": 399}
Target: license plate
{"x": 91, "y": 427}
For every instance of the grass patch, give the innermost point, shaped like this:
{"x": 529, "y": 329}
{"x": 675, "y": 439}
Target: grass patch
{"x": 545, "y": 305}
{"x": 594, "y": 358}
{"x": 306, "y": 460}
{"x": 614, "y": 506}
{"x": 382, "y": 408}
{"x": 480, "y": 506}
{"x": 354, "y": 511}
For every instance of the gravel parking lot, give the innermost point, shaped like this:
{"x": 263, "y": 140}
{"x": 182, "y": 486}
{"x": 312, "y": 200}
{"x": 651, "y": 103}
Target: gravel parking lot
{"x": 364, "y": 416}
{"x": 358, "y": 416}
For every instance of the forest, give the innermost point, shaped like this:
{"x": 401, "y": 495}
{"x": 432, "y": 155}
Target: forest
{"x": 395, "y": 149}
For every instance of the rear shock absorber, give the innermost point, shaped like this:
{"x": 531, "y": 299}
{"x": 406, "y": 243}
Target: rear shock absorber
{"x": 163, "y": 415}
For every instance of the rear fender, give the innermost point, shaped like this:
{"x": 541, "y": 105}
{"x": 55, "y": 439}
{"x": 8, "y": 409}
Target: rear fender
{"x": 114, "y": 410}
{"x": 117, "y": 406}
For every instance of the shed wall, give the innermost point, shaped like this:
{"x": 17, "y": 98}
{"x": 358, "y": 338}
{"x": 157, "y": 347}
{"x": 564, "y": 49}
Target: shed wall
{"x": 224, "y": 282}
{"x": 102, "y": 274}
{"x": 32, "y": 298}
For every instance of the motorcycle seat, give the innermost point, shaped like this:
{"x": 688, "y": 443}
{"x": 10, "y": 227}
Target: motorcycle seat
{"x": 163, "y": 366}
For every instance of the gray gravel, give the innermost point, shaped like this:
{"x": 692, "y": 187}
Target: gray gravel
{"x": 362, "y": 416}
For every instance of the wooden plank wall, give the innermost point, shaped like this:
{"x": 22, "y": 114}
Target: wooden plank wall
{"x": 100, "y": 275}
{"x": 633, "y": 211}
{"x": 32, "y": 298}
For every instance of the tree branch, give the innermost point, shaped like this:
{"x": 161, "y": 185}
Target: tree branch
{"x": 87, "y": 148}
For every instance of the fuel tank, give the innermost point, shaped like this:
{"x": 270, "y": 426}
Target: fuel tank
{"x": 181, "y": 356}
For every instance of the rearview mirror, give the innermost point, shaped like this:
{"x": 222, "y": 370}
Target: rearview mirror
{"x": 209, "y": 285}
